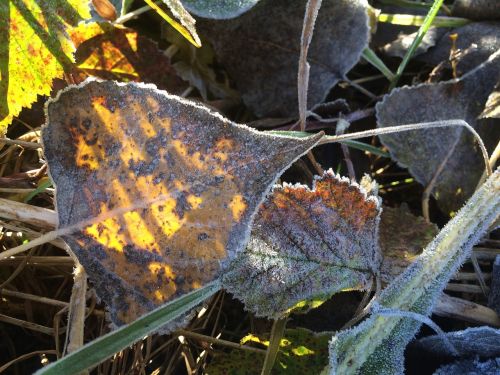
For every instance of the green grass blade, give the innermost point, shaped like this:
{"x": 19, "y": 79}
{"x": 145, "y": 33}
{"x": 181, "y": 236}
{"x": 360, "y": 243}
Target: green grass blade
{"x": 416, "y": 42}
{"x": 104, "y": 347}
{"x": 370, "y": 56}
{"x": 348, "y": 142}
{"x": 45, "y": 185}
{"x": 414, "y": 20}
{"x": 365, "y": 147}
{"x": 274, "y": 344}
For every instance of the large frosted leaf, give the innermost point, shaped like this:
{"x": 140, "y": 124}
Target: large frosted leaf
{"x": 261, "y": 49}
{"x": 477, "y": 9}
{"x": 35, "y": 48}
{"x": 169, "y": 186}
{"x": 422, "y": 152}
{"x": 218, "y": 9}
{"x": 376, "y": 346}
{"x": 307, "y": 244}
{"x": 476, "y": 42}
{"x": 482, "y": 341}
{"x": 471, "y": 367}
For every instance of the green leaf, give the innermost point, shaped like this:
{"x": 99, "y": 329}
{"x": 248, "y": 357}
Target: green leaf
{"x": 300, "y": 352}
{"x": 376, "y": 346}
{"x": 105, "y": 346}
{"x": 34, "y": 49}
{"x": 219, "y": 9}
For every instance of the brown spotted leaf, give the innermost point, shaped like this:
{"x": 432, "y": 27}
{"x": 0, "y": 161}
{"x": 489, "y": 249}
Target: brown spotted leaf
{"x": 172, "y": 185}
{"x": 307, "y": 244}
{"x": 403, "y": 236}
{"x": 119, "y": 53}
{"x": 260, "y": 50}
{"x": 423, "y": 151}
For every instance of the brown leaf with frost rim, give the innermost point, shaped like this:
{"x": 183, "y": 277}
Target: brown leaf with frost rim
{"x": 172, "y": 185}
{"x": 403, "y": 236}
{"x": 423, "y": 151}
{"x": 260, "y": 50}
{"x": 307, "y": 244}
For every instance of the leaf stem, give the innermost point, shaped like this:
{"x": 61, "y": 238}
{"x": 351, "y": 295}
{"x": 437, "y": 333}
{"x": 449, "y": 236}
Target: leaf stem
{"x": 312, "y": 9}
{"x": 274, "y": 344}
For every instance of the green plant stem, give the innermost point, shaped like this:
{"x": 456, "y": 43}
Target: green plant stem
{"x": 274, "y": 344}
{"x": 415, "y": 20}
{"x": 416, "y": 42}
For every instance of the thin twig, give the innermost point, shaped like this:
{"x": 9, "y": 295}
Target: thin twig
{"x": 30, "y": 145}
{"x": 430, "y": 186}
{"x": 312, "y": 9}
{"x": 419, "y": 126}
{"x": 216, "y": 341}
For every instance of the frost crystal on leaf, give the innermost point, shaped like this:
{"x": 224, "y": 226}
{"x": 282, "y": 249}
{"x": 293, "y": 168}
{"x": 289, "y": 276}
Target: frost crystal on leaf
{"x": 307, "y": 244}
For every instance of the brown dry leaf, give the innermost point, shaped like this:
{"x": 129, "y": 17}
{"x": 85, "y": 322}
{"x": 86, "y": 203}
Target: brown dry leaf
{"x": 261, "y": 48}
{"x": 477, "y": 9}
{"x": 403, "y": 236}
{"x": 307, "y": 244}
{"x": 475, "y": 42}
{"x": 172, "y": 187}
{"x": 423, "y": 151}
{"x": 118, "y": 53}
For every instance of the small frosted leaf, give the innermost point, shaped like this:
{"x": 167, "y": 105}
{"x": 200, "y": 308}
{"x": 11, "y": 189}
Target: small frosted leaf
{"x": 122, "y": 54}
{"x": 482, "y": 341}
{"x": 492, "y": 107}
{"x": 423, "y": 151}
{"x": 471, "y": 367}
{"x": 171, "y": 186}
{"x": 403, "y": 237}
{"x": 261, "y": 49}
{"x": 477, "y": 9}
{"x": 476, "y": 42}
{"x": 400, "y": 46}
{"x": 307, "y": 244}
{"x": 218, "y": 9}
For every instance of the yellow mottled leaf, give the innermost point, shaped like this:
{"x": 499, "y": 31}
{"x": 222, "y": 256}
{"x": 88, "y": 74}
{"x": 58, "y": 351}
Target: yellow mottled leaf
{"x": 34, "y": 49}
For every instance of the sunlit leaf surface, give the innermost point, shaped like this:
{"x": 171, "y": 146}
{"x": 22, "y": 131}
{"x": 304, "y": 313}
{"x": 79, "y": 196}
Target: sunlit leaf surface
{"x": 172, "y": 185}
